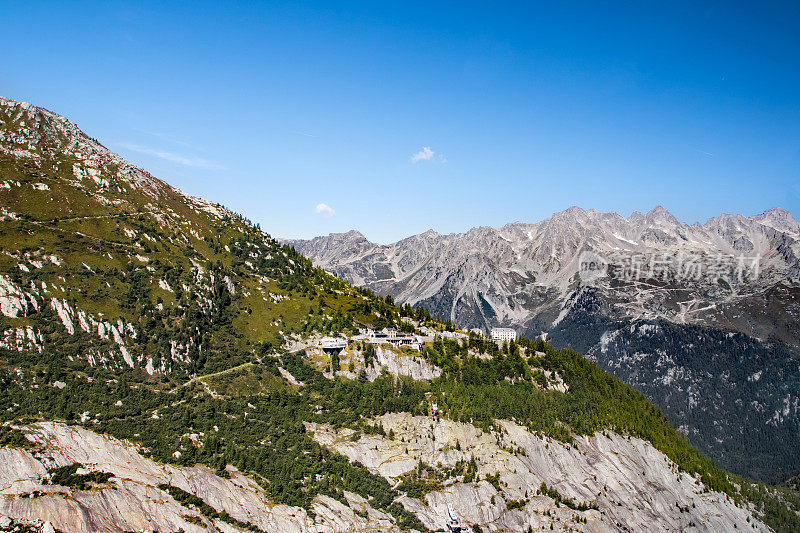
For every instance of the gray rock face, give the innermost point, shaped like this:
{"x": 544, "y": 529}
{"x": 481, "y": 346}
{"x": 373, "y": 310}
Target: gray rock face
{"x": 390, "y": 360}
{"x": 630, "y": 485}
{"x": 401, "y": 364}
{"x": 633, "y": 486}
{"x": 132, "y": 501}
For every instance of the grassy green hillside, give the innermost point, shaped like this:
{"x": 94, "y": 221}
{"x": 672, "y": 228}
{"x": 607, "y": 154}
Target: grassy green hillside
{"x": 172, "y": 268}
{"x": 136, "y": 310}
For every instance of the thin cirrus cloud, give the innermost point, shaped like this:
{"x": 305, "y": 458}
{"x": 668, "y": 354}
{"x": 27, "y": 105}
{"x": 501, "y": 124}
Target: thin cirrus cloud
{"x": 172, "y": 157}
{"x": 427, "y": 154}
{"x": 165, "y": 137}
{"x": 325, "y": 210}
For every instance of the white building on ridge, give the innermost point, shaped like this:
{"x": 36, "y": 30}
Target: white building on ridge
{"x": 503, "y": 334}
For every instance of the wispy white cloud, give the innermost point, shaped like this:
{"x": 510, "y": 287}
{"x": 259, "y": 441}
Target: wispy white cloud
{"x": 325, "y": 210}
{"x": 165, "y": 137}
{"x": 426, "y": 154}
{"x": 172, "y": 157}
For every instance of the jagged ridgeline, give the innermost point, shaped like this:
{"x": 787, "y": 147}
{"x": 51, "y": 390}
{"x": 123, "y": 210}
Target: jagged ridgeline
{"x": 131, "y": 310}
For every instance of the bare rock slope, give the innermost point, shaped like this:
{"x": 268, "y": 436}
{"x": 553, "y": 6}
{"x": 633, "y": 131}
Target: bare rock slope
{"x": 131, "y": 500}
{"x": 609, "y": 483}
{"x": 626, "y": 484}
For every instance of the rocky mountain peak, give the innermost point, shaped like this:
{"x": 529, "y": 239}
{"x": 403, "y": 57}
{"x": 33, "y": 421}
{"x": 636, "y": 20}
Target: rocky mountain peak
{"x": 779, "y": 219}
{"x": 571, "y": 213}
{"x": 660, "y": 214}
{"x": 354, "y": 234}
{"x": 39, "y": 136}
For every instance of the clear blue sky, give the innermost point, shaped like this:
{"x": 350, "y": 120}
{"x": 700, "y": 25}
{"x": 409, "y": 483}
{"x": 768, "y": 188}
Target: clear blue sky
{"x": 273, "y": 109}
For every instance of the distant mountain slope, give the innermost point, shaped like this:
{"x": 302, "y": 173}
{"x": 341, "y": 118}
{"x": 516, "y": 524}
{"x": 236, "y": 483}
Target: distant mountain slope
{"x": 524, "y": 274}
{"x": 731, "y": 274}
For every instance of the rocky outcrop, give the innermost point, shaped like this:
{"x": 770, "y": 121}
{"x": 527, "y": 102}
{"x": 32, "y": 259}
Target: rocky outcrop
{"x": 393, "y": 361}
{"x": 401, "y": 364}
{"x": 13, "y": 301}
{"x": 132, "y": 501}
{"x": 630, "y": 485}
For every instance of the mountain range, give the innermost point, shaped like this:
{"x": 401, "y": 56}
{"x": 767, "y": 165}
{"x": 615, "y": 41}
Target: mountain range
{"x": 703, "y": 318}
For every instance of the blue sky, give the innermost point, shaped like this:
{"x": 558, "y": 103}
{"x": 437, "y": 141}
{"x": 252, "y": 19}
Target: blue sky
{"x": 525, "y": 108}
